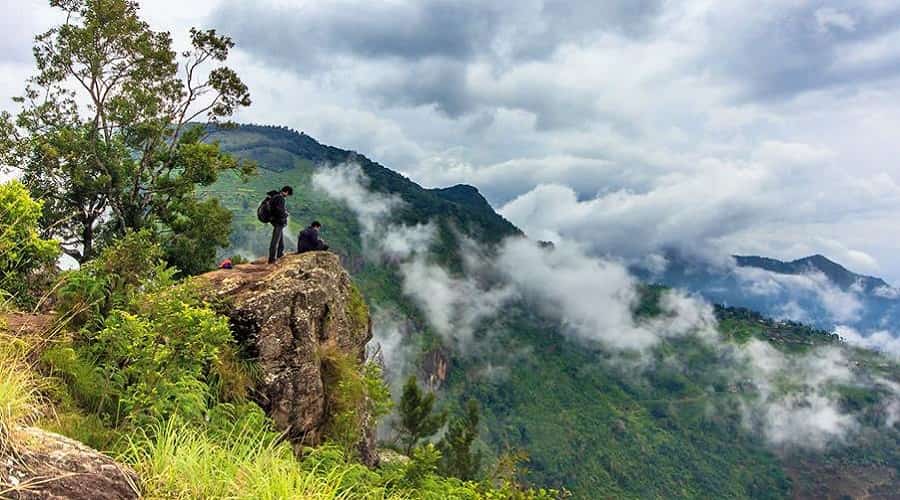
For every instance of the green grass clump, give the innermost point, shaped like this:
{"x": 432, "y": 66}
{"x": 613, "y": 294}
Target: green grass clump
{"x": 177, "y": 460}
{"x": 358, "y": 309}
{"x": 20, "y": 396}
{"x": 86, "y": 385}
{"x": 81, "y": 426}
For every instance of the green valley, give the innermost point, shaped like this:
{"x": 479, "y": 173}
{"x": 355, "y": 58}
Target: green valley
{"x": 588, "y": 422}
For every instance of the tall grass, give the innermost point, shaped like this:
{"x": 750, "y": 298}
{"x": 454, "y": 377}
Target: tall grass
{"x": 20, "y": 396}
{"x": 181, "y": 461}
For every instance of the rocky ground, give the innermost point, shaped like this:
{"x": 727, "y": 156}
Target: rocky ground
{"x": 49, "y": 466}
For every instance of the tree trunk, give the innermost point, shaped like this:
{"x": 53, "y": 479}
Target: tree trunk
{"x": 87, "y": 237}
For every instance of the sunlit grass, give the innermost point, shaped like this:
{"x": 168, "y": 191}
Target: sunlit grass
{"x": 179, "y": 460}
{"x": 20, "y": 396}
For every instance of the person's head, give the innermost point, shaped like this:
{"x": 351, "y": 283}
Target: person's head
{"x": 287, "y": 191}
{"x": 316, "y": 224}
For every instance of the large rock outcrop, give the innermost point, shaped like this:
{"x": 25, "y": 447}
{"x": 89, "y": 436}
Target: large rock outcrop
{"x": 291, "y": 316}
{"x": 48, "y": 466}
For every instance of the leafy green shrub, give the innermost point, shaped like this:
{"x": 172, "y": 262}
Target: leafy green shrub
{"x": 357, "y": 397}
{"x": 22, "y": 250}
{"x": 147, "y": 349}
{"x": 128, "y": 267}
{"x": 160, "y": 358}
{"x": 82, "y": 298}
{"x": 199, "y": 228}
{"x": 422, "y": 467}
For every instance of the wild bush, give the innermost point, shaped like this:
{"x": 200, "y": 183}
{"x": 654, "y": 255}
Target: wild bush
{"x": 160, "y": 356}
{"x": 126, "y": 268}
{"x": 22, "y": 250}
{"x": 86, "y": 383}
{"x": 177, "y": 459}
{"x": 357, "y": 397}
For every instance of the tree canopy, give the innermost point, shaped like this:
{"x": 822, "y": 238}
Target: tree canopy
{"x": 111, "y": 127}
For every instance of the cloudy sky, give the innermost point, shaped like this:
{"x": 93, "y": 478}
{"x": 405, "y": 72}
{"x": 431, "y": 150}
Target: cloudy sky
{"x": 631, "y": 126}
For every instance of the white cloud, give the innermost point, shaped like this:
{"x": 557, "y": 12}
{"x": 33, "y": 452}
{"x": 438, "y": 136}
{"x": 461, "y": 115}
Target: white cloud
{"x": 829, "y": 18}
{"x": 839, "y": 305}
{"x": 882, "y": 340}
{"x": 347, "y": 183}
{"x": 808, "y": 414}
{"x": 594, "y": 299}
{"x": 392, "y": 341}
{"x": 792, "y": 402}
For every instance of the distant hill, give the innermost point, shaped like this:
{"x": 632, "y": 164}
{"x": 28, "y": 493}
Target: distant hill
{"x": 813, "y": 289}
{"x": 838, "y": 274}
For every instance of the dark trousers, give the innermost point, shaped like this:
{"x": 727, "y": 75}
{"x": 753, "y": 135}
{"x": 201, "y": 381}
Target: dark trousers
{"x": 276, "y": 246}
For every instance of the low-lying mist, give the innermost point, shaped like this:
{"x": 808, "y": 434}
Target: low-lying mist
{"x": 593, "y": 300}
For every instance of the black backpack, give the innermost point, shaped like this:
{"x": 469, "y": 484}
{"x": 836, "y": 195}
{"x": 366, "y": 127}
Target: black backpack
{"x": 264, "y": 211}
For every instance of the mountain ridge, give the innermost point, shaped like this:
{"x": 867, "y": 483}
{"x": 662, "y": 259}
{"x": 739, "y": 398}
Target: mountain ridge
{"x": 837, "y": 273}
{"x": 263, "y": 142}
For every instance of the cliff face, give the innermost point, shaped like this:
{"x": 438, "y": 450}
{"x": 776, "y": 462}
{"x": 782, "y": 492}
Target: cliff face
{"x": 286, "y": 316}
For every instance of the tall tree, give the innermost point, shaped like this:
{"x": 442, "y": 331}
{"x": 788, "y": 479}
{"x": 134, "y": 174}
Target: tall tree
{"x": 108, "y": 131}
{"x": 457, "y": 457}
{"x": 418, "y": 420}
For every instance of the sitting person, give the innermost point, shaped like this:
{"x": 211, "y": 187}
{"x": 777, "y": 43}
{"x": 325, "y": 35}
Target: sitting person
{"x": 309, "y": 240}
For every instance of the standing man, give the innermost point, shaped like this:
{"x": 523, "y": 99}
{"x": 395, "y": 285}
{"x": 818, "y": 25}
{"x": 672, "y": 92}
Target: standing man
{"x": 278, "y": 217}
{"x": 309, "y": 240}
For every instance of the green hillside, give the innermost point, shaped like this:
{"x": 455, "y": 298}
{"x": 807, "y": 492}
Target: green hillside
{"x": 288, "y": 157}
{"x": 588, "y": 423}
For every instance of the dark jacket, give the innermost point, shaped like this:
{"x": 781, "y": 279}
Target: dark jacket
{"x": 309, "y": 241}
{"x": 279, "y": 214}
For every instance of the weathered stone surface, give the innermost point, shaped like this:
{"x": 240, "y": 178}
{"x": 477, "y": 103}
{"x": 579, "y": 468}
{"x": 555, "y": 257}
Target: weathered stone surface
{"x": 22, "y": 324}
{"x": 50, "y": 466}
{"x": 286, "y": 315}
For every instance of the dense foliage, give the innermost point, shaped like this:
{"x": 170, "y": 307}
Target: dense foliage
{"x": 358, "y": 398}
{"x": 150, "y": 349}
{"x": 22, "y": 250}
{"x": 153, "y": 375}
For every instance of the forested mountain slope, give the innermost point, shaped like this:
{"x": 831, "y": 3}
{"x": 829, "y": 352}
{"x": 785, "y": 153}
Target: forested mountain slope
{"x": 592, "y": 420}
